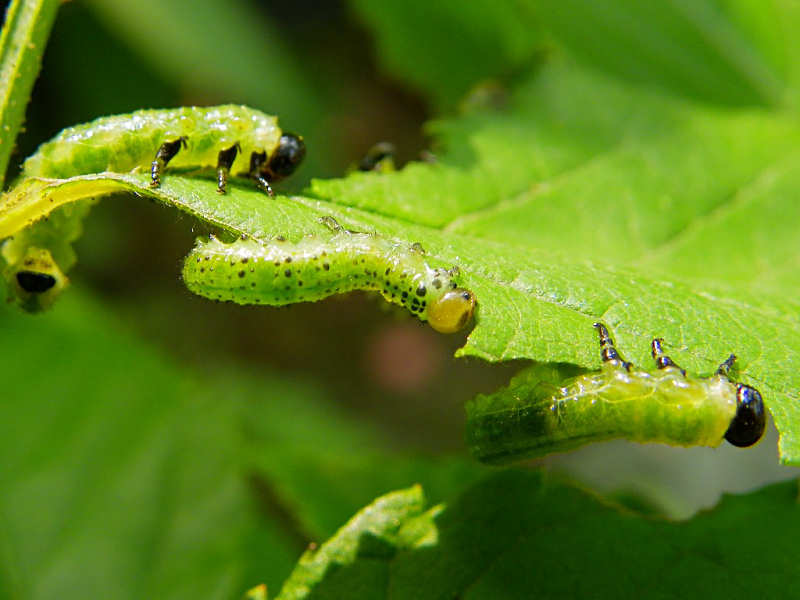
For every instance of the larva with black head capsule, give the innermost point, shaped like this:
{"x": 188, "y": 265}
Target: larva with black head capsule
{"x": 189, "y": 137}
{"x": 540, "y": 412}
{"x": 276, "y": 273}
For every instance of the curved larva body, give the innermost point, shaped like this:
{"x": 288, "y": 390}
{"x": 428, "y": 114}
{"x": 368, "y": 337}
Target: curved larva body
{"x": 278, "y": 273}
{"x": 124, "y": 142}
{"x": 537, "y": 414}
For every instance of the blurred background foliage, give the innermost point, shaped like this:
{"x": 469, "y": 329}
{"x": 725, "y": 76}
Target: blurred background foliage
{"x": 237, "y": 426}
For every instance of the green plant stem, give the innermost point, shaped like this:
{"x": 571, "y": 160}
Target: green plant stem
{"x": 22, "y": 42}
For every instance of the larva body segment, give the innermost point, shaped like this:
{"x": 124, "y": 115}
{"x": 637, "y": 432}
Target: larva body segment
{"x": 279, "y": 273}
{"x": 124, "y": 142}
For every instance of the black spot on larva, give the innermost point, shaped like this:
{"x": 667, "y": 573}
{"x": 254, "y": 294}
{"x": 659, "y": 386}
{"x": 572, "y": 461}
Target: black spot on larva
{"x": 253, "y": 284}
{"x": 299, "y": 284}
{"x": 241, "y": 273}
{"x": 280, "y": 238}
{"x": 233, "y": 262}
{"x": 199, "y": 258}
{"x": 421, "y": 291}
{"x": 437, "y": 283}
{"x": 202, "y": 269}
{"x": 277, "y": 263}
{"x": 208, "y": 258}
{"x": 288, "y": 272}
{"x": 288, "y": 259}
{"x": 244, "y": 261}
{"x": 388, "y": 270}
{"x": 326, "y": 266}
{"x": 405, "y": 294}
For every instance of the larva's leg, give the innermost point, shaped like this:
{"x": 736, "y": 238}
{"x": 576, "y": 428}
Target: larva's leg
{"x": 225, "y": 160}
{"x": 725, "y": 367}
{"x": 662, "y": 360}
{"x": 257, "y": 162}
{"x": 608, "y": 352}
{"x": 166, "y": 152}
{"x": 331, "y": 223}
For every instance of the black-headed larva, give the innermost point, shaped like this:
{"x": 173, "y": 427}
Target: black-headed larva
{"x": 189, "y": 136}
{"x": 540, "y": 412}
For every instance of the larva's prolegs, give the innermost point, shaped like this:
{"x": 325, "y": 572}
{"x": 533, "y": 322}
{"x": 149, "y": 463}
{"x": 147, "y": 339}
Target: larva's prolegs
{"x": 165, "y": 153}
{"x": 225, "y": 160}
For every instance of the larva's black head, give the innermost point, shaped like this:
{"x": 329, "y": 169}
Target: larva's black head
{"x": 748, "y": 425}
{"x": 287, "y": 156}
{"x": 35, "y": 283}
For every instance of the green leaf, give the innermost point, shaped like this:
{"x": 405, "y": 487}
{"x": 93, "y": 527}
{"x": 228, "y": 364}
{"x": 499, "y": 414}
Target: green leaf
{"x": 172, "y": 482}
{"x": 560, "y": 214}
{"x": 726, "y": 52}
{"x": 25, "y": 31}
{"x": 518, "y": 533}
{"x": 365, "y": 542}
{"x": 444, "y": 48}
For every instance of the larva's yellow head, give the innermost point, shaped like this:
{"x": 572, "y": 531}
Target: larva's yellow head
{"x": 452, "y": 311}
{"x": 36, "y": 280}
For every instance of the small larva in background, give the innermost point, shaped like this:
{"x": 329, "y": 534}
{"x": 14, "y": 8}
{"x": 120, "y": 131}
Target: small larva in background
{"x": 279, "y": 272}
{"x": 149, "y": 140}
{"x": 542, "y": 412}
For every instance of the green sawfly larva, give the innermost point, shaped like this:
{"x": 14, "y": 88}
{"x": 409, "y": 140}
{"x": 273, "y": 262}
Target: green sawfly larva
{"x": 189, "y": 137}
{"x": 279, "y": 272}
{"x": 540, "y": 412}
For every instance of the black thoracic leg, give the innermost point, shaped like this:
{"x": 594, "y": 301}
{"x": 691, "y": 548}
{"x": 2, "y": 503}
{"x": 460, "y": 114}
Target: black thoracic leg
{"x": 662, "y": 360}
{"x": 225, "y": 160}
{"x": 166, "y": 152}
{"x": 608, "y": 352}
{"x": 257, "y": 162}
{"x": 725, "y": 367}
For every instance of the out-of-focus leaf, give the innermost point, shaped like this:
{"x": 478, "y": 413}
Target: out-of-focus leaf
{"x": 518, "y": 534}
{"x": 444, "y": 48}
